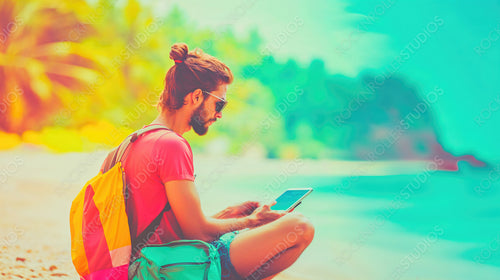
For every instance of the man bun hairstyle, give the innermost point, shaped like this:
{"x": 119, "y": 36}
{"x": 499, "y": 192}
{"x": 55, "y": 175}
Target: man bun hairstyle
{"x": 192, "y": 70}
{"x": 179, "y": 52}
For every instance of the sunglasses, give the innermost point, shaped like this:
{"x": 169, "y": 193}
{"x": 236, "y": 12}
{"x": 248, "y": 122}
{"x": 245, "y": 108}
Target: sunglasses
{"x": 219, "y": 105}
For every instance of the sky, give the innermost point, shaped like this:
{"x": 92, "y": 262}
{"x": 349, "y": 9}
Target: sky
{"x": 292, "y": 29}
{"x": 454, "y": 45}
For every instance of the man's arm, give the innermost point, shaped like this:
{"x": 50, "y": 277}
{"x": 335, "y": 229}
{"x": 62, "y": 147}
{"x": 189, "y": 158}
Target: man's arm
{"x": 185, "y": 202}
{"x": 237, "y": 211}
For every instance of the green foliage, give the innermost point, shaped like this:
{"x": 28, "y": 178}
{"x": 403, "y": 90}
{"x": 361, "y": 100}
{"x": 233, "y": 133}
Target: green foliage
{"x": 118, "y": 56}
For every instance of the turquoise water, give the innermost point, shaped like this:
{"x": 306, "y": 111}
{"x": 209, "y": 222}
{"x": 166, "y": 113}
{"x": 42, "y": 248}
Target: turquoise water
{"x": 430, "y": 225}
{"x": 445, "y": 198}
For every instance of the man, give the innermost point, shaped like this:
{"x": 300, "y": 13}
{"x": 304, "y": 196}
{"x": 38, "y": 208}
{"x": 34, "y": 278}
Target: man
{"x": 160, "y": 170}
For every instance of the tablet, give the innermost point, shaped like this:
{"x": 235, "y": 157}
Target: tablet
{"x": 290, "y": 199}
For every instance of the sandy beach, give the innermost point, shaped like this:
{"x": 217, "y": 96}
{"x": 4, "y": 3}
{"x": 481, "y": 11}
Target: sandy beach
{"x": 37, "y": 188}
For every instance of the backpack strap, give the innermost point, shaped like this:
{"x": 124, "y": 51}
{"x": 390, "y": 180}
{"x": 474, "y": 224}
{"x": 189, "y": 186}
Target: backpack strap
{"x": 151, "y": 228}
{"x": 117, "y": 153}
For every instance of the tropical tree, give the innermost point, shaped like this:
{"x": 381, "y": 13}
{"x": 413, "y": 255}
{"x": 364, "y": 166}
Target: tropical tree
{"x": 42, "y": 61}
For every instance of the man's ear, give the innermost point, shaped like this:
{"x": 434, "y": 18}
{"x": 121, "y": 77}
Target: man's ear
{"x": 197, "y": 97}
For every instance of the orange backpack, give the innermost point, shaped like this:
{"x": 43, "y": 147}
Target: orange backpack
{"x": 101, "y": 246}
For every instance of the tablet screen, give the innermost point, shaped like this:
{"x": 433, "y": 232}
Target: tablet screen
{"x": 288, "y": 198}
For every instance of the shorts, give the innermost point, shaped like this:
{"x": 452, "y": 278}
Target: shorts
{"x": 223, "y": 244}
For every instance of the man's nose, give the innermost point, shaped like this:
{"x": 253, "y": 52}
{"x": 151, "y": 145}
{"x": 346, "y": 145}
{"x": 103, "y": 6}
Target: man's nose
{"x": 218, "y": 115}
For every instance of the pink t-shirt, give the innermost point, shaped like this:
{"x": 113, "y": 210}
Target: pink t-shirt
{"x": 155, "y": 158}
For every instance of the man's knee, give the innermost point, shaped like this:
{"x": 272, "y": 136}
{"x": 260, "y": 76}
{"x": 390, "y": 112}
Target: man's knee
{"x": 301, "y": 229}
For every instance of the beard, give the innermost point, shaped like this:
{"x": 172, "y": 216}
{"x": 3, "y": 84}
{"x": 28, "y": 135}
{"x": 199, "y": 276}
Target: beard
{"x": 198, "y": 122}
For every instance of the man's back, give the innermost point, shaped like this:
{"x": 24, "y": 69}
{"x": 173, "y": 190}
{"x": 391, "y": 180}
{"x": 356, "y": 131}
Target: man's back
{"x": 155, "y": 158}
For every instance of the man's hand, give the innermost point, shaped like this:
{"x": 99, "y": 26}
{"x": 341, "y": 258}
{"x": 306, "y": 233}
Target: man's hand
{"x": 264, "y": 215}
{"x": 238, "y": 211}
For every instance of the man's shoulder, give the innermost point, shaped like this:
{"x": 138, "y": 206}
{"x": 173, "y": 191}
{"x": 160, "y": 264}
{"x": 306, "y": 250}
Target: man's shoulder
{"x": 168, "y": 138}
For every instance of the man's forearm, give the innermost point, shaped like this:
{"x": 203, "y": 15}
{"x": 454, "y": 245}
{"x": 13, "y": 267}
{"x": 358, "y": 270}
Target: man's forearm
{"x": 224, "y": 214}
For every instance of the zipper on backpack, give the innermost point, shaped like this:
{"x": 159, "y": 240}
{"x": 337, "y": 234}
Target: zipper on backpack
{"x": 185, "y": 263}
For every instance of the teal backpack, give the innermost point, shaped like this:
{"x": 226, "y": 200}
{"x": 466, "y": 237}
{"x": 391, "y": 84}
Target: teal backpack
{"x": 181, "y": 259}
